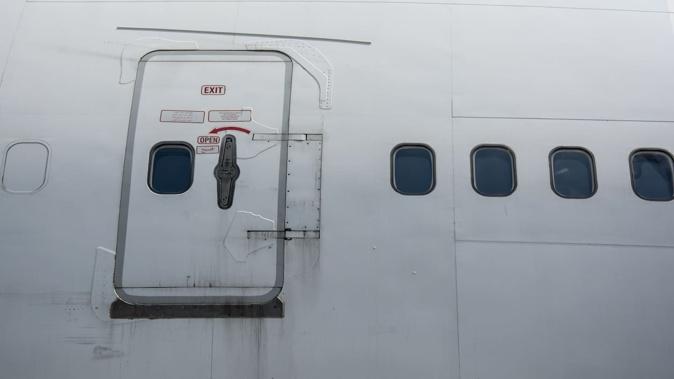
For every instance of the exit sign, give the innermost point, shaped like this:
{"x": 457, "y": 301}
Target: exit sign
{"x": 212, "y": 89}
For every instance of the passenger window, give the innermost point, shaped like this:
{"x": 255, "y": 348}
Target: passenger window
{"x": 652, "y": 177}
{"x": 572, "y": 173}
{"x": 413, "y": 169}
{"x": 493, "y": 171}
{"x": 171, "y": 168}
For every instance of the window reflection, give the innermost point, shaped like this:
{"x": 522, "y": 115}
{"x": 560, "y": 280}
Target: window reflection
{"x": 413, "y": 169}
{"x": 652, "y": 177}
{"x": 573, "y": 173}
{"x": 171, "y": 168}
{"x": 493, "y": 171}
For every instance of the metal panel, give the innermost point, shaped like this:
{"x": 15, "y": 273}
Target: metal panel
{"x": 303, "y": 197}
{"x": 556, "y": 311}
{"x": 552, "y": 63}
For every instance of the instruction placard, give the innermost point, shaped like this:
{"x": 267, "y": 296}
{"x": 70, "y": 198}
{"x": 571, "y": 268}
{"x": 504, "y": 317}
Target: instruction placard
{"x": 208, "y": 149}
{"x": 242, "y": 115}
{"x": 182, "y": 116}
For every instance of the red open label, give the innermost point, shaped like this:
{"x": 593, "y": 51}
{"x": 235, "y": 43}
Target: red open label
{"x": 208, "y": 140}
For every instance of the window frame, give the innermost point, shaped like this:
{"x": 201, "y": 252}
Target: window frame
{"x": 5, "y": 159}
{"x": 153, "y": 151}
{"x": 472, "y": 168}
{"x": 650, "y": 150}
{"x": 400, "y": 146}
{"x": 595, "y": 182}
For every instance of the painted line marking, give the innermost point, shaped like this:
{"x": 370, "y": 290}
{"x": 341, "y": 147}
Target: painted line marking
{"x": 225, "y": 128}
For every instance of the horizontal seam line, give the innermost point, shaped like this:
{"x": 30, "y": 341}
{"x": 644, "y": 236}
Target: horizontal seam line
{"x": 566, "y": 243}
{"x": 197, "y": 287}
{"x": 561, "y": 119}
{"x": 243, "y": 34}
{"x": 363, "y": 2}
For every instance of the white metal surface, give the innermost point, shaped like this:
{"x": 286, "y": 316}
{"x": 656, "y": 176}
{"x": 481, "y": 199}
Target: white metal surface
{"x": 446, "y": 285}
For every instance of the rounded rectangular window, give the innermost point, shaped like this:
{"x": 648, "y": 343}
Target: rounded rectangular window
{"x": 652, "y": 177}
{"x": 171, "y": 168}
{"x": 25, "y": 167}
{"x": 572, "y": 173}
{"x": 493, "y": 170}
{"x": 413, "y": 169}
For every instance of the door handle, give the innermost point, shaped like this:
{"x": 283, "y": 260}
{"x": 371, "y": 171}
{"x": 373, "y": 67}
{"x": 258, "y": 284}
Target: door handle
{"x": 226, "y": 172}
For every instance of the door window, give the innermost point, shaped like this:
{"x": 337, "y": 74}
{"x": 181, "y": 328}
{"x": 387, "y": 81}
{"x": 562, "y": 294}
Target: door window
{"x": 171, "y": 168}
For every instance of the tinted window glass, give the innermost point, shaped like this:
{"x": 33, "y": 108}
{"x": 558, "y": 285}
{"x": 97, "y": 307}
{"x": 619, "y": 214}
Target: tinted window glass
{"x": 413, "y": 169}
{"x": 652, "y": 177}
{"x": 171, "y": 168}
{"x": 572, "y": 173}
{"x": 493, "y": 171}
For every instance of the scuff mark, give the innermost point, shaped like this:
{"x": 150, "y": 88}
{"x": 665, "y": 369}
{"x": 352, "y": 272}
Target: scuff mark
{"x": 258, "y": 153}
{"x": 670, "y": 8}
{"x": 255, "y": 121}
{"x": 104, "y": 352}
{"x": 132, "y": 52}
{"x": 236, "y": 241}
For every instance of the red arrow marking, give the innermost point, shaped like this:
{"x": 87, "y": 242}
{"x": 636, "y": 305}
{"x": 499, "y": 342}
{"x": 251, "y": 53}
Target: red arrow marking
{"x": 236, "y": 128}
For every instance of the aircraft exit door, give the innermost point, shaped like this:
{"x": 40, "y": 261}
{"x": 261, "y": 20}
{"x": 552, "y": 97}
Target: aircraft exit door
{"x": 196, "y": 183}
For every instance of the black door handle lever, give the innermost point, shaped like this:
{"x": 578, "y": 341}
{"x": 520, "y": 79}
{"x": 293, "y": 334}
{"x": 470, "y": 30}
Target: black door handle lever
{"x": 226, "y": 172}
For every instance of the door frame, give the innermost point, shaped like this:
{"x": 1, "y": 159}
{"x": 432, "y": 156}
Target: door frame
{"x": 126, "y": 188}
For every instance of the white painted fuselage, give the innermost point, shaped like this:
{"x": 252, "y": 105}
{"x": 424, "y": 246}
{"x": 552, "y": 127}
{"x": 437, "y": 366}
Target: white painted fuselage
{"x": 373, "y": 283}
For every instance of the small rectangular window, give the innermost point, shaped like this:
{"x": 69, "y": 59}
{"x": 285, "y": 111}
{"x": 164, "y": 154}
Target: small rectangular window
{"x": 572, "y": 173}
{"x": 413, "y": 169}
{"x": 652, "y": 177}
{"x": 493, "y": 170}
{"x": 171, "y": 168}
